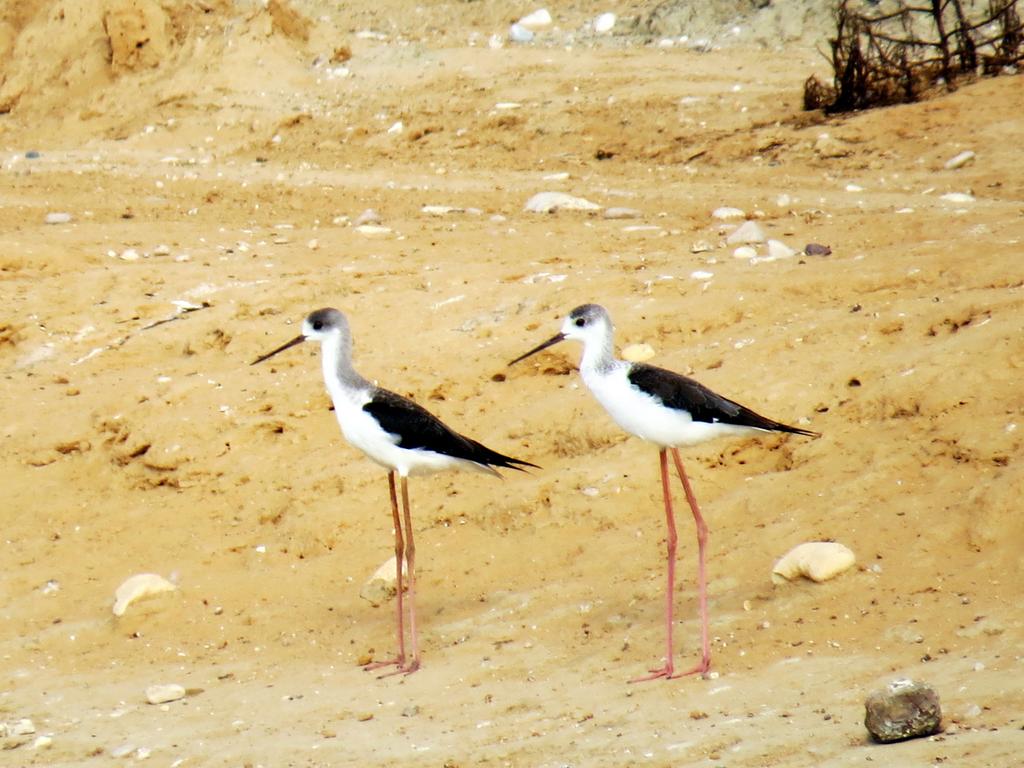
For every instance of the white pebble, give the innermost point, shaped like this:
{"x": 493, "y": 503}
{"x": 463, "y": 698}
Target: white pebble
{"x": 604, "y": 23}
{"x": 373, "y": 230}
{"x": 57, "y": 217}
{"x": 537, "y": 19}
{"x": 163, "y": 693}
{"x": 958, "y": 197}
{"x": 726, "y": 212}
{"x": 162, "y": 250}
{"x": 396, "y": 127}
{"x": 747, "y": 232}
{"x": 129, "y": 254}
{"x": 854, "y": 188}
{"x": 137, "y": 587}
{"x": 959, "y": 161}
{"x": 548, "y": 202}
{"x": 745, "y": 252}
{"x": 701, "y": 246}
{"x": 700, "y": 274}
{"x": 783, "y": 200}
{"x": 779, "y": 250}
{"x": 620, "y": 212}
{"x": 517, "y": 33}
{"x": 440, "y": 210}
{"x": 816, "y": 560}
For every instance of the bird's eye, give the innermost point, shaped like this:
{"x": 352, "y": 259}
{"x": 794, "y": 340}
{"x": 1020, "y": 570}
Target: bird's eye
{"x": 580, "y": 322}
{"x": 318, "y": 325}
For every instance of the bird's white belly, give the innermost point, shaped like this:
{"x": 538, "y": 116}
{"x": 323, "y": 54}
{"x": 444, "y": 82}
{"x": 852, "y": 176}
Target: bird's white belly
{"x": 646, "y": 417}
{"x": 362, "y": 431}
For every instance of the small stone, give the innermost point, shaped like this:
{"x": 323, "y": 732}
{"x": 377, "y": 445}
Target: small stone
{"x": 137, "y": 587}
{"x": 536, "y": 20}
{"x": 369, "y": 216}
{"x": 637, "y": 353}
{"x": 814, "y": 249}
{"x": 726, "y": 212}
{"x": 702, "y": 274}
{"x": 904, "y": 709}
{"x": 779, "y": 250}
{"x": 396, "y": 127}
{"x": 958, "y": 197}
{"x": 162, "y": 250}
{"x": 161, "y": 694}
{"x": 959, "y": 161}
{"x": 621, "y": 213}
{"x": 549, "y": 202}
{"x": 517, "y": 33}
{"x": 440, "y": 210}
{"x": 827, "y": 147}
{"x": 604, "y": 23}
{"x": 17, "y": 733}
{"x": 747, "y": 232}
{"x": 42, "y": 742}
{"x": 32, "y": 155}
{"x": 372, "y": 230}
{"x": 382, "y": 586}
{"x": 57, "y": 217}
{"x": 701, "y": 246}
{"x": 313, "y": 244}
{"x": 815, "y": 560}
{"x": 129, "y": 254}
{"x": 745, "y": 252}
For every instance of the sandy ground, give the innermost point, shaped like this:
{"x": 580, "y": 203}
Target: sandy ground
{"x": 135, "y": 446}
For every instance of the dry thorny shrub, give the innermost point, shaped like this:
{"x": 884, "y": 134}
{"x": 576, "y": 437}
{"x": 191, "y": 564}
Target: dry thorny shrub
{"x": 892, "y": 52}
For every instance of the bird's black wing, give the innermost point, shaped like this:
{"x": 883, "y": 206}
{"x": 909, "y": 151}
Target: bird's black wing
{"x": 685, "y": 394}
{"x": 416, "y": 427}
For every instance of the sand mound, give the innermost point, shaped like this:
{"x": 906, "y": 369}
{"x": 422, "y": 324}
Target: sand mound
{"x": 114, "y": 61}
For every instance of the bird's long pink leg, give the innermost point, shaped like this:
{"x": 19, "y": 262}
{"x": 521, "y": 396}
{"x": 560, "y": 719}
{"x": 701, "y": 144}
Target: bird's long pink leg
{"x": 667, "y": 670}
{"x": 702, "y": 579}
{"x": 398, "y": 661}
{"x": 410, "y": 561}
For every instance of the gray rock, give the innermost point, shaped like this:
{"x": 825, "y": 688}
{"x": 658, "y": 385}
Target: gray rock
{"x": 904, "y": 709}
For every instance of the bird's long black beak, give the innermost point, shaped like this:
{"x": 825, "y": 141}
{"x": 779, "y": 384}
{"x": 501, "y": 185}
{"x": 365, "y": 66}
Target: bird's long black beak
{"x": 550, "y": 342}
{"x": 282, "y": 348}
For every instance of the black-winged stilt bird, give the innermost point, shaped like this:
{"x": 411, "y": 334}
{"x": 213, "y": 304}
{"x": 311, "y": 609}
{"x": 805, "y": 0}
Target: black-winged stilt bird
{"x": 669, "y": 410}
{"x": 402, "y": 437}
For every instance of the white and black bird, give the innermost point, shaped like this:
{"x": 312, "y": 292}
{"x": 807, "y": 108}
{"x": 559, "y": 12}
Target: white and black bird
{"x": 669, "y": 410}
{"x": 402, "y": 437}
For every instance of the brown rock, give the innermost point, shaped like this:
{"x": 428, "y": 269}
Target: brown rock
{"x": 904, "y": 709}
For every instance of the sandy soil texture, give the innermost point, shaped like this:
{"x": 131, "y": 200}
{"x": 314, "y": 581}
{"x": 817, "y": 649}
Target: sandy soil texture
{"x": 220, "y": 155}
